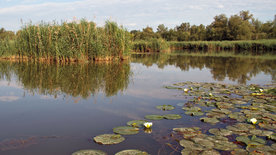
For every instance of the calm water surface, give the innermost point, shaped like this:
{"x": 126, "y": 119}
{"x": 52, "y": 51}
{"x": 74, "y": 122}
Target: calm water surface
{"x": 58, "y": 108}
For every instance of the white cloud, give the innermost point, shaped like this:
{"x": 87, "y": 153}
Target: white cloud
{"x": 220, "y": 6}
{"x": 128, "y": 12}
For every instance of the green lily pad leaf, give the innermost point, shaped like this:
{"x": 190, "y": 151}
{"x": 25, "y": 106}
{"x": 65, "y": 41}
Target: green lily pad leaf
{"x": 192, "y": 108}
{"x": 210, "y": 152}
{"x": 243, "y": 139}
{"x": 154, "y": 117}
{"x": 239, "y": 152}
{"x": 126, "y": 130}
{"x": 194, "y": 113}
{"x": 220, "y": 132}
{"x": 136, "y": 123}
{"x": 89, "y": 152}
{"x": 131, "y": 152}
{"x": 209, "y": 120}
{"x": 273, "y": 136}
{"x": 165, "y": 107}
{"x": 258, "y": 140}
{"x": 186, "y": 143}
{"x": 108, "y": 139}
{"x": 172, "y": 116}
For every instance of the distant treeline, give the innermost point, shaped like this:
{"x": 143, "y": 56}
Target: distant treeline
{"x": 242, "y": 26}
{"x": 73, "y": 41}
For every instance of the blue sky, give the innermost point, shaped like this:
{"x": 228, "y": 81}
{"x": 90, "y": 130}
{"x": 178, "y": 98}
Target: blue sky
{"x": 132, "y": 14}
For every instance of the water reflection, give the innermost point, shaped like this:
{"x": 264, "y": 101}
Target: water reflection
{"x": 72, "y": 79}
{"x": 240, "y": 69}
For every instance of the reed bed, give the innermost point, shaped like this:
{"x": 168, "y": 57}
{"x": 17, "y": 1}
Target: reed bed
{"x": 248, "y": 45}
{"x": 73, "y": 41}
{"x": 152, "y": 45}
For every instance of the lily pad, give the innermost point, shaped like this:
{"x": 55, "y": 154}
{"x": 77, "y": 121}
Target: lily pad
{"x": 131, "y": 152}
{"x": 136, "y": 123}
{"x": 209, "y": 120}
{"x": 194, "y": 113}
{"x": 253, "y": 141}
{"x": 108, "y": 139}
{"x": 210, "y": 152}
{"x": 165, "y": 107}
{"x": 243, "y": 139}
{"x": 154, "y": 117}
{"x": 188, "y": 132}
{"x": 126, "y": 130}
{"x": 89, "y": 152}
{"x": 220, "y": 132}
{"x": 273, "y": 136}
{"x": 172, "y": 116}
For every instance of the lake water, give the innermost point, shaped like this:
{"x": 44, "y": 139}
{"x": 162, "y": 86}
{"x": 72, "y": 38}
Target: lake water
{"x": 59, "y": 108}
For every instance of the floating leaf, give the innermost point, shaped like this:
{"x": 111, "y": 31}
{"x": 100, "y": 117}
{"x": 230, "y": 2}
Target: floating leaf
{"x": 210, "y": 152}
{"x": 220, "y": 132}
{"x": 89, "y": 152}
{"x": 131, "y": 152}
{"x": 165, "y": 107}
{"x": 154, "y": 117}
{"x": 126, "y": 130}
{"x": 273, "y": 136}
{"x": 258, "y": 140}
{"x": 172, "y": 116}
{"x": 243, "y": 139}
{"x": 108, "y": 139}
{"x": 209, "y": 120}
{"x": 194, "y": 113}
{"x": 136, "y": 123}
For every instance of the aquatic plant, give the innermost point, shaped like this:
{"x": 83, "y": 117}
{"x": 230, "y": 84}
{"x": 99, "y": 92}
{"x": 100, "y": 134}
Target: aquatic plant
{"x": 71, "y": 41}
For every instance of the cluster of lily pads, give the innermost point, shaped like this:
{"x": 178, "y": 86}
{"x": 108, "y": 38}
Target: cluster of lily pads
{"x": 250, "y": 109}
{"x": 133, "y": 127}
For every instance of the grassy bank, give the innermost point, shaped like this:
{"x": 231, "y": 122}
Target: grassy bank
{"x": 249, "y": 45}
{"x": 252, "y": 46}
{"x": 69, "y": 42}
{"x": 152, "y": 45}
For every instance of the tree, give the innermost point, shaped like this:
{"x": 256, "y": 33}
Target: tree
{"x": 219, "y": 28}
{"x": 162, "y": 30}
{"x": 183, "y": 32}
{"x": 239, "y": 26}
{"x": 245, "y": 15}
{"x": 148, "y": 33}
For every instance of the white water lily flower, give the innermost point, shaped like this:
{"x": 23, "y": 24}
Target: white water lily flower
{"x": 261, "y": 90}
{"x": 148, "y": 124}
{"x": 210, "y": 94}
{"x": 186, "y": 89}
{"x": 253, "y": 120}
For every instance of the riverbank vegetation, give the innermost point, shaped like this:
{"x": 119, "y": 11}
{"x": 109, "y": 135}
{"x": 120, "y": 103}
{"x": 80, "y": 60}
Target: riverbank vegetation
{"x": 73, "y": 41}
{"x": 239, "y": 32}
{"x": 242, "y": 26}
{"x": 83, "y": 40}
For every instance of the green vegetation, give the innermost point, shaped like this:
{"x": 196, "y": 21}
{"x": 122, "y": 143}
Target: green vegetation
{"x": 69, "y": 42}
{"x": 242, "y": 26}
{"x": 153, "y": 45}
{"x": 83, "y": 40}
{"x": 239, "y": 32}
{"x": 249, "y": 45}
